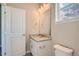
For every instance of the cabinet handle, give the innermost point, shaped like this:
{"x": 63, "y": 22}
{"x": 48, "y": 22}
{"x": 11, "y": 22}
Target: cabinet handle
{"x": 44, "y": 46}
{"x": 40, "y": 47}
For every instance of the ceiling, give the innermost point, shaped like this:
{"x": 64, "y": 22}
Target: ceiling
{"x": 23, "y": 5}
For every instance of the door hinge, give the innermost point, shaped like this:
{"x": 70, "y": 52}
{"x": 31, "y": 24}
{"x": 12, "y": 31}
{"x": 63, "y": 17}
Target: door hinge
{"x": 4, "y": 12}
{"x": 5, "y": 53}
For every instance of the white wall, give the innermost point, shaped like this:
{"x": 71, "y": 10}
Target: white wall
{"x": 52, "y": 26}
{"x": 31, "y": 24}
{"x": 45, "y": 22}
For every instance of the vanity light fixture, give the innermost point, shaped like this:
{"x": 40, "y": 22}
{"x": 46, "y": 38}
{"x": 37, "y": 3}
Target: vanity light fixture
{"x": 43, "y": 7}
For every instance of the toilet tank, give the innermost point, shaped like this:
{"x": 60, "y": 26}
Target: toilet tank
{"x": 62, "y": 51}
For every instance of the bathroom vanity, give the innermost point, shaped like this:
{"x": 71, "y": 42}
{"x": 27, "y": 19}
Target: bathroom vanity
{"x": 41, "y": 45}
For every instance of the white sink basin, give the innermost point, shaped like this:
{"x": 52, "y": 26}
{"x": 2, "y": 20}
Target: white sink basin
{"x": 40, "y": 37}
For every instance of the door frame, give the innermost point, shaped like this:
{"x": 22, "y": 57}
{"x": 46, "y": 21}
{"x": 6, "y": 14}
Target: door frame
{"x": 3, "y": 17}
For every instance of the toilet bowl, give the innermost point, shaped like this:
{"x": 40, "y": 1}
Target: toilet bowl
{"x": 62, "y": 51}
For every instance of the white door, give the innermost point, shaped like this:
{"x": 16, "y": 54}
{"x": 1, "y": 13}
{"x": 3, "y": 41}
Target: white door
{"x": 15, "y": 31}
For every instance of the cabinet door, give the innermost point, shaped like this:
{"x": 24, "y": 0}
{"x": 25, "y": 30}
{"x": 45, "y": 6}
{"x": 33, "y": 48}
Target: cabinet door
{"x": 44, "y": 48}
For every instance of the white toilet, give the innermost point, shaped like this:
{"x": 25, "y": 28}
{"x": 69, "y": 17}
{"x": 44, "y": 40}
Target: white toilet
{"x": 62, "y": 51}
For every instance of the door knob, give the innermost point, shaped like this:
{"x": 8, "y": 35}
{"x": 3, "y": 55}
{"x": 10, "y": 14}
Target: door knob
{"x": 40, "y": 47}
{"x": 23, "y": 35}
{"x": 44, "y": 46}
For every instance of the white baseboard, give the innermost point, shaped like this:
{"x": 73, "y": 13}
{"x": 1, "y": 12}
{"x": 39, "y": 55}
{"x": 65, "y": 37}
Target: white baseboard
{"x": 28, "y": 51}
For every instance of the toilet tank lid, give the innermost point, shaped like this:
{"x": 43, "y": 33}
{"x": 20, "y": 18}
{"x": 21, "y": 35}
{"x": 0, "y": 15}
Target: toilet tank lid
{"x": 62, "y": 48}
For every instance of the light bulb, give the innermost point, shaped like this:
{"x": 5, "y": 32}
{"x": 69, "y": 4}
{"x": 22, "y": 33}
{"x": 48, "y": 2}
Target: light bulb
{"x": 41, "y": 8}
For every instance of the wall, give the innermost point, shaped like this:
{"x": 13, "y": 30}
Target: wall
{"x": 66, "y": 34}
{"x": 32, "y": 24}
{"x": 45, "y": 22}
{"x": 52, "y": 26}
